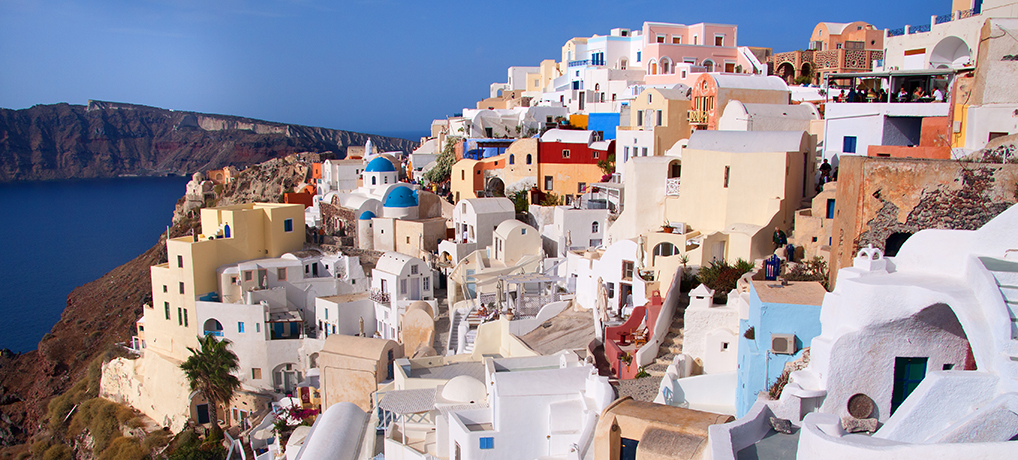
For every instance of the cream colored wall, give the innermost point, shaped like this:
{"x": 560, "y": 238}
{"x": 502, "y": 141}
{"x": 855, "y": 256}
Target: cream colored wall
{"x": 153, "y": 384}
{"x": 431, "y": 230}
{"x": 674, "y": 119}
{"x": 644, "y": 205}
{"x": 518, "y": 245}
{"x": 462, "y": 179}
{"x": 518, "y": 171}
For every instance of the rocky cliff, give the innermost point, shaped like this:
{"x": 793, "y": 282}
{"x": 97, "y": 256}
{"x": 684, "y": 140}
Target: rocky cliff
{"x": 109, "y": 139}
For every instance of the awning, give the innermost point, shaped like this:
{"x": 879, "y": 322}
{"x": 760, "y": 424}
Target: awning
{"x": 409, "y": 401}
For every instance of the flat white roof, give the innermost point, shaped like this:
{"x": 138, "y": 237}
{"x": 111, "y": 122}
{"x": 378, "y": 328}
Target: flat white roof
{"x": 746, "y": 141}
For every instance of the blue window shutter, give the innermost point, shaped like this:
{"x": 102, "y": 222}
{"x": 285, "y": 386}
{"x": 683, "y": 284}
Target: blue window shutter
{"x": 849, "y": 144}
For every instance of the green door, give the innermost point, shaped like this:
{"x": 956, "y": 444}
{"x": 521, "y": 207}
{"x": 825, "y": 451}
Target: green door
{"x": 908, "y": 373}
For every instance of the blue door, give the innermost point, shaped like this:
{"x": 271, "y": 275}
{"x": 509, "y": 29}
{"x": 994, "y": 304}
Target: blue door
{"x": 226, "y": 231}
{"x": 628, "y": 451}
{"x": 908, "y": 373}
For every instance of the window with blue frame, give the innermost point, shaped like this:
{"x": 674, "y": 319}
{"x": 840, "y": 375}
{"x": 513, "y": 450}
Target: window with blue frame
{"x": 288, "y": 225}
{"x": 849, "y": 144}
{"x": 830, "y": 209}
{"x": 638, "y": 56}
{"x": 487, "y": 443}
{"x": 240, "y": 327}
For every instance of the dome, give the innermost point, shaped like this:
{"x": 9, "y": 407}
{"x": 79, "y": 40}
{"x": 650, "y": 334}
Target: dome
{"x": 380, "y": 165}
{"x": 401, "y": 197}
{"x": 366, "y": 215}
{"x": 464, "y": 389}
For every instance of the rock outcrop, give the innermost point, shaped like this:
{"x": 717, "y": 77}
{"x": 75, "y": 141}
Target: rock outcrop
{"x": 109, "y": 139}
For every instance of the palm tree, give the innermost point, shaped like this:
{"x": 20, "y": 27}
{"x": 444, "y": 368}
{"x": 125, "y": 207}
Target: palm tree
{"x": 209, "y": 370}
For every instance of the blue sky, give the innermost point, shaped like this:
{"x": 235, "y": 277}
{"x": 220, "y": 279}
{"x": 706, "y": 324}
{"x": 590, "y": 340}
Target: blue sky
{"x": 369, "y": 65}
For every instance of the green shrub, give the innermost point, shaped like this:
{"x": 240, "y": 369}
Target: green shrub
{"x": 722, "y": 277}
{"x": 124, "y": 449}
{"x": 57, "y": 452}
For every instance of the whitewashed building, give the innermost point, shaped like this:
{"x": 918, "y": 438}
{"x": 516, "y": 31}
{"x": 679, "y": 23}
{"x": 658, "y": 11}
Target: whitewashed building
{"x": 397, "y": 281}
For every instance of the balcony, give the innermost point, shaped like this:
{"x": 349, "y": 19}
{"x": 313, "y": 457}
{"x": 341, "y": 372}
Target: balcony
{"x": 698, "y": 117}
{"x": 581, "y": 63}
{"x": 379, "y": 297}
{"x": 672, "y": 186}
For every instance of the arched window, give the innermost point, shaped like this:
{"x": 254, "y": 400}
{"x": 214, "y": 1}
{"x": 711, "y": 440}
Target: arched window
{"x": 665, "y": 66}
{"x": 665, "y": 249}
{"x": 512, "y": 159}
{"x": 597, "y": 87}
{"x": 708, "y": 65}
{"x": 226, "y": 231}
{"x": 595, "y": 227}
{"x": 374, "y": 180}
{"x": 528, "y": 159}
{"x": 213, "y": 327}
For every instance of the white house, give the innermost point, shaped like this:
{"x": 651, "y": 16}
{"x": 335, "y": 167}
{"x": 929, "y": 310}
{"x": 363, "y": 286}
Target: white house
{"x": 474, "y": 221}
{"x": 923, "y": 343}
{"x": 739, "y": 116}
{"x": 569, "y": 228}
{"x": 616, "y": 268}
{"x": 396, "y": 281}
{"x": 347, "y": 314}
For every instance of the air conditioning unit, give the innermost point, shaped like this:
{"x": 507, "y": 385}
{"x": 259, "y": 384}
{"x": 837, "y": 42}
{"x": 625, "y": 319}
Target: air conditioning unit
{"x": 783, "y": 344}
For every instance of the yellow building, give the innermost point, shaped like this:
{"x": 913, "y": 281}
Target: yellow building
{"x": 228, "y": 235}
{"x": 737, "y": 186}
{"x": 658, "y": 119}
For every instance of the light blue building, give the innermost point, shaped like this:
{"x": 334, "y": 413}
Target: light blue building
{"x": 784, "y": 319}
{"x": 605, "y": 123}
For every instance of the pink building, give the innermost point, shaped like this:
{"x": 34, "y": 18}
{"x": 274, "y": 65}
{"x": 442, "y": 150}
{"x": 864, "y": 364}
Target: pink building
{"x": 671, "y": 52}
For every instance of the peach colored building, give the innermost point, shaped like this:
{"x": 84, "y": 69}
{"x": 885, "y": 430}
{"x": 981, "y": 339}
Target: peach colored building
{"x": 833, "y": 48}
{"x": 712, "y": 92}
{"x": 672, "y": 51}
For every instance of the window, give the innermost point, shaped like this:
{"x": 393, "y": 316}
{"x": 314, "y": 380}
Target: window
{"x": 596, "y": 242}
{"x": 611, "y": 290}
{"x": 180, "y": 317}
{"x": 385, "y": 286}
{"x": 240, "y": 327}
{"x": 185, "y": 317}
{"x": 596, "y": 154}
{"x": 625, "y": 156}
{"x": 181, "y": 287}
{"x": 288, "y": 225}
{"x": 581, "y": 187}
{"x": 719, "y": 40}
{"x": 644, "y": 151}
{"x": 427, "y": 283}
{"x": 724, "y": 346}
{"x": 281, "y": 274}
{"x": 696, "y": 40}
{"x": 627, "y": 270}
{"x": 374, "y": 180}
{"x": 180, "y": 261}
{"x": 565, "y": 153}
{"x": 402, "y": 286}
{"x": 512, "y": 159}
{"x": 639, "y": 118}
{"x": 659, "y": 115}
{"x": 728, "y": 172}
{"x": 676, "y": 40}
{"x": 660, "y": 38}
{"x": 166, "y": 306}
{"x": 256, "y": 373}
{"x": 248, "y": 275}
{"x": 549, "y": 183}
{"x": 487, "y": 442}
{"x": 638, "y": 55}
{"x": 595, "y": 227}
{"x": 326, "y": 311}
{"x": 463, "y": 175}
{"x": 258, "y": 327}
{"x": 830, "y": 209}
{"x": 848, "y": 145}
{"x": 528, "y": 158}
{"x": 164, "y": 288}
{"x": 413, "y": 270}
{"x": 839, "y": 46}
{"x": 650, "y": 98}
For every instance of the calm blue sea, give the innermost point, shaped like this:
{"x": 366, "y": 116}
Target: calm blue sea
{"x": 56, "y": 236}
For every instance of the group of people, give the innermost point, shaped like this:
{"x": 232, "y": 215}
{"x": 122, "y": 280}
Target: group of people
{"x": 872, "y": 95}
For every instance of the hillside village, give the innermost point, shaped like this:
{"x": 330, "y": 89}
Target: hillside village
{"x": 663, "y": 245}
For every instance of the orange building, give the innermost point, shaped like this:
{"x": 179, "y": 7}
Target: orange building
{"x": 834, "y": 47}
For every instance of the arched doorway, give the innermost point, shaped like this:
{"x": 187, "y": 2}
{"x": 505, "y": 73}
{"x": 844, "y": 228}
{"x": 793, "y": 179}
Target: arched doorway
{"x": 951, "y": 52}
{"x": 285, "y": 377}
{"x": 495, "y": 187}
{"x": 786, "y": 71}
{"x": 226, "y": 231}
{"x": 806, "y": 70}
{"x": 708, "y": 65}
{"x": 894, "y": 242}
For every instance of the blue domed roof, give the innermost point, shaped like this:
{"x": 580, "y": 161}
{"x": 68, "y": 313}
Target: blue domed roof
{"x": 401, "y": 197}
{"x": 380, "y": 164}
{"x": 367, "y": 215}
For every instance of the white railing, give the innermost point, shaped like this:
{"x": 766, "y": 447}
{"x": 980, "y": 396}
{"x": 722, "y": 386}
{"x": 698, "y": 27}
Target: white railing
{"x": 672, "y": 186}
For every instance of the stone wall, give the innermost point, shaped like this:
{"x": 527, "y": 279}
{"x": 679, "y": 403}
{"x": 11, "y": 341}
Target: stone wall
{"x": 878, "y": 197}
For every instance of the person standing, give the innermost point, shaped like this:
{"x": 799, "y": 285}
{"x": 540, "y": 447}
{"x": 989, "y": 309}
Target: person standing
{"x": 825, "y": 170}
{"x": 780, "y": 239}
{"x": 938, "y": 95}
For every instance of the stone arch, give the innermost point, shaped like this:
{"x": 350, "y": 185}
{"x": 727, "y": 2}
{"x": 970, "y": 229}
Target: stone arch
{"x": 675, "y": 169}
{"x": 665, "y": 249}
{"x": 951, "y": 52}
{"x": 666, "y": 66}
{"x": 495, "y": 187}
{"x": 786, "y": 71}
{"x": 806, "y": 70}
